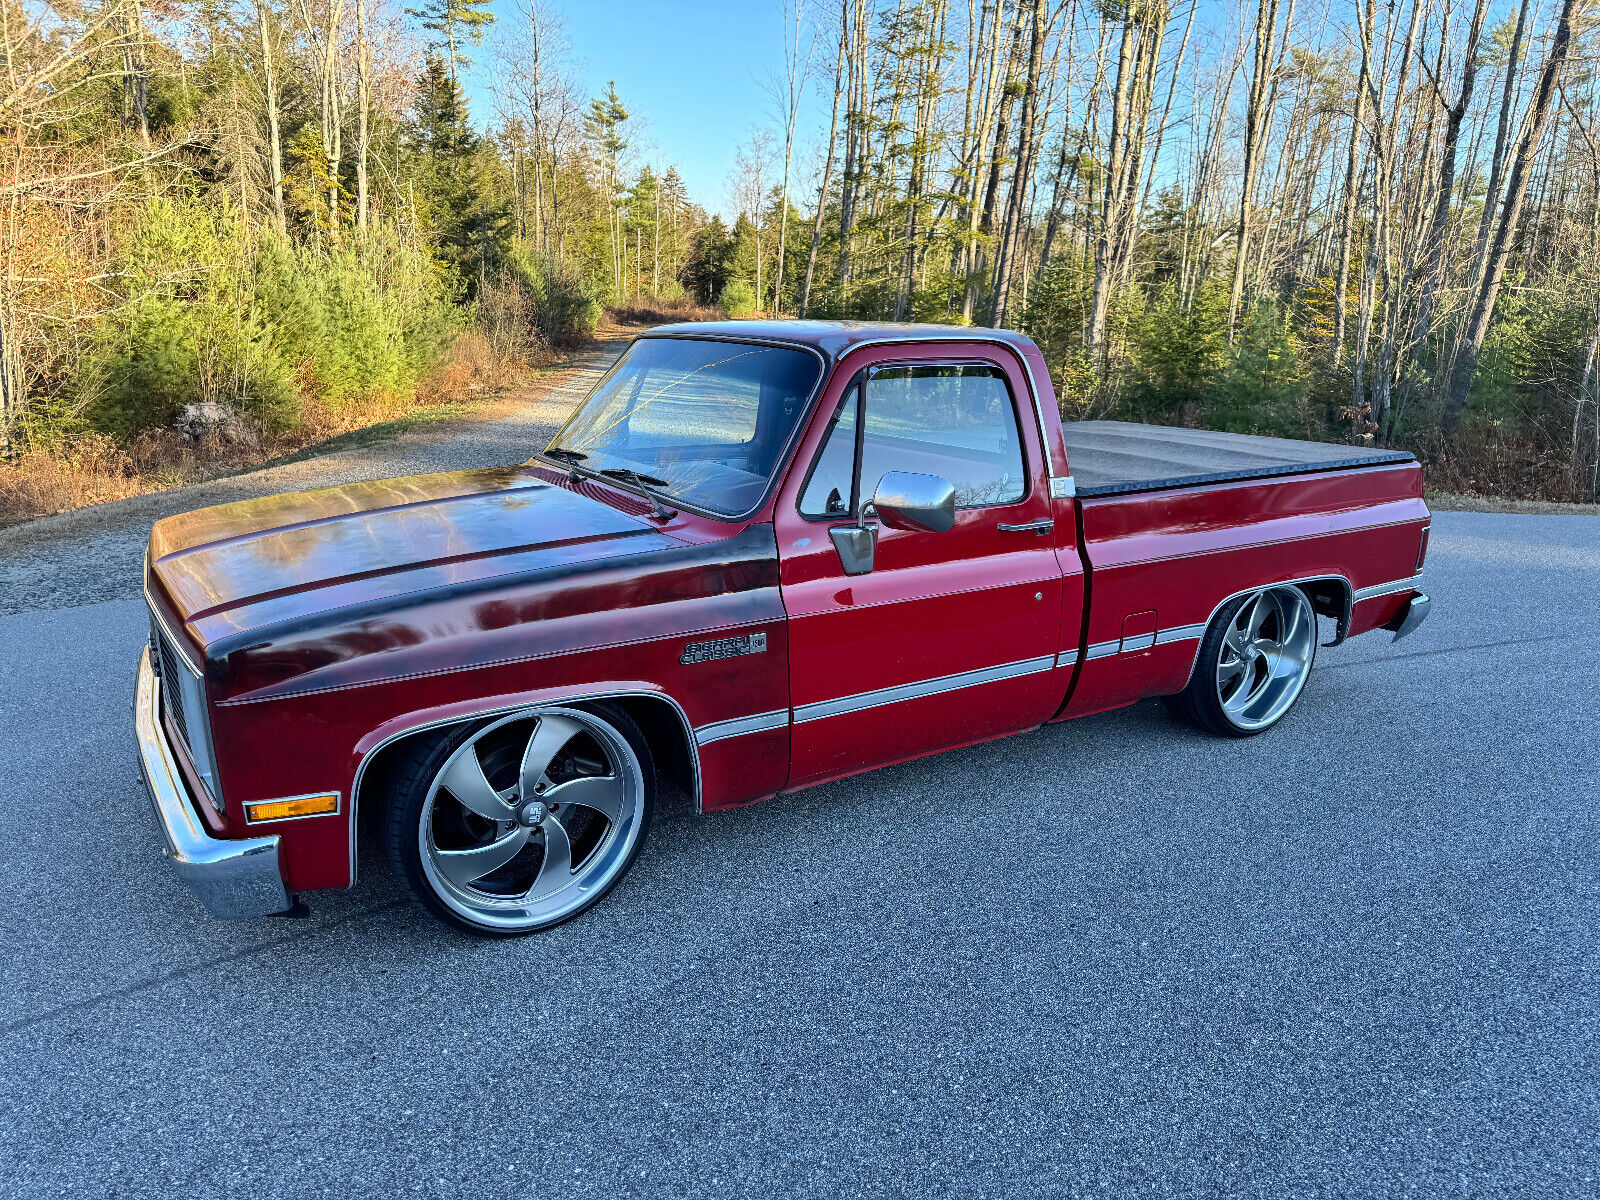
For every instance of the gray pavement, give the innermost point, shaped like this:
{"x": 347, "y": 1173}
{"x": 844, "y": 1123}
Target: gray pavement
{"x": 1355, "y": 957}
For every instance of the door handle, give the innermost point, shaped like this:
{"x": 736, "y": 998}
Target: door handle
{"x": 1042, "y": 525}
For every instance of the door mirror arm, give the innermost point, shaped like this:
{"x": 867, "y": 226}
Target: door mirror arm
{"x": 856, "y": 545}
{"x": 903, "y": 500}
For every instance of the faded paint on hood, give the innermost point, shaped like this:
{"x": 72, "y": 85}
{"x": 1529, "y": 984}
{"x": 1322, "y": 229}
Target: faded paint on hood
{"x": 242, "y": 566}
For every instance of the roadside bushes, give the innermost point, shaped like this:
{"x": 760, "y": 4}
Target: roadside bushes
{"x": 739, "y": 298}
{"x": 662, "y": 310}
{"x": 272, "y": 331}
{"x": 564, "y": 307}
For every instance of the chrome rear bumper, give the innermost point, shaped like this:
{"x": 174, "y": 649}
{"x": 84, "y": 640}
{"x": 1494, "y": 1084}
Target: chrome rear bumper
{"x": 1413, "y": 614}
{"x": 235, "y": 879}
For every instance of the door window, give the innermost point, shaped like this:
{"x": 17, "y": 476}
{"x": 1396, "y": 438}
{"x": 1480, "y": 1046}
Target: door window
{"x": 830, "y": 490}
{"x": 954, "y": 420}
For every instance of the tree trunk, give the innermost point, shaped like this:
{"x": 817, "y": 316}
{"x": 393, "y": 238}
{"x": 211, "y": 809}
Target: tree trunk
{"x": 794, "y": 78}
{"x": 1256, "y": 117}
{"x": 363, "y": 133}
{"x": 1352, "y": 181}
{"x": 991, "y": 193}
{"x": 1491, "y": 195}
{"x": 332, "y": 126}
{"x": 1105, "y": 243}
{"x": 856, "y": 118}
{"x": 1432, "y": 266}
{"x": 827, "y": 166}
{"x": 1022, "y": 172}
{"x": 269, "y": 73}
{"x": 1477, "y": 325}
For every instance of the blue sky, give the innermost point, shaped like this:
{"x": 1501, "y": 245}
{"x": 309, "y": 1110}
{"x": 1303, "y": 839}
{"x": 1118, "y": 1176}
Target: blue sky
{"x": 690, "y": 74}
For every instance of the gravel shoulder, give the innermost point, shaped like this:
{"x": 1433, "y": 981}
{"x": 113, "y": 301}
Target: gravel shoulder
{"x": 93, "y": 554}
{"x": 1453, "y": 502}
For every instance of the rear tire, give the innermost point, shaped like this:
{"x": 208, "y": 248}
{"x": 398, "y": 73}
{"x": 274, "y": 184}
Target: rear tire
{"x": 1252, "y": 665}
{"x": 515, "y": 825}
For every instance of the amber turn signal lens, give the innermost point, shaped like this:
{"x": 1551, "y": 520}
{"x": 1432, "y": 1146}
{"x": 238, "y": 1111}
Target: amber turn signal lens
{"x": 298, "y": 806}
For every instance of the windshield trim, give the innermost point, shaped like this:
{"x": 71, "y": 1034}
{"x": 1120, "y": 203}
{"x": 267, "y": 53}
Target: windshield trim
{"x": 780, "y": 464}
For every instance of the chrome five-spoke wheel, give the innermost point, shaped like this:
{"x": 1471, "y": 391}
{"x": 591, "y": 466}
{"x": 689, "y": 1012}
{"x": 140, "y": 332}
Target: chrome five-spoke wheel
{"x": 1253, "y": 663}
{"x": 524, "y": 822}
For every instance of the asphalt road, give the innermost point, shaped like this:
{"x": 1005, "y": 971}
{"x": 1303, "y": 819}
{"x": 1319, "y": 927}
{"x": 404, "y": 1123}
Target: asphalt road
{"x": 1355, "y": 957}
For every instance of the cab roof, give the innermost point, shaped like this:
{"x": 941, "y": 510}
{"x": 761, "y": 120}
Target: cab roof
{"x": 834, "y": 339}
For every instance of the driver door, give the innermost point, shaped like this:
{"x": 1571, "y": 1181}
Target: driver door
{"x": 950, "y": 637}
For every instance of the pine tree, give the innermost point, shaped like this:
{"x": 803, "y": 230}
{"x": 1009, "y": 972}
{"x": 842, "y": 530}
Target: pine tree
{"x": 710, "y": 262}
{"x": 455, "y": 22}
{"x": 644, "y": 230}
{"x": 460, "y": 202}
{"x": 603, "y": 123}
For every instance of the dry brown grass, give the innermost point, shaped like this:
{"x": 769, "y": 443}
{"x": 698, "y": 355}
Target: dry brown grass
{"x": 94, "y": 469}
{"x": 646, "y": 310}
{"x": 1488, "y": 465}
{"x": 37, "y": 483}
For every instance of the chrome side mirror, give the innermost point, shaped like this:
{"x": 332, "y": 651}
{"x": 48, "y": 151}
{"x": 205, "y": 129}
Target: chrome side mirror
{"x": 909, "y": 500}
{"x": 904, "y": 500}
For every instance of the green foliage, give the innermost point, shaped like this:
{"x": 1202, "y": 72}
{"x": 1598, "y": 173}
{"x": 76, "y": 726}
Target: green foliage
{"x": 710, "y": 264}
{"x": 739, "y": 298}
{"x": 564, "y": 306}
{"x": 459, "y": 195}
{"x": 1260, "y": 388}
{"x": 1179, "y": 351}
{"x": 51, "y": 425}
{"x": 453, "y": 23}
{"x": 1055, "y": 315}
{"x": 263, "y": 327}
{"x": 743, "y": 259}
{"x": 1532, "y": 363}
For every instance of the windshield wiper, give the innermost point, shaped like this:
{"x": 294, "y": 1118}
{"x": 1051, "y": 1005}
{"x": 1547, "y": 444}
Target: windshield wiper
{"x": 643, "y": 482}
{"x": 571, "y": 457}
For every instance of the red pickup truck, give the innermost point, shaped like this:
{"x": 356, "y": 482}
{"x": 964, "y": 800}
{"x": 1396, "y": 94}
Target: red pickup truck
{"x": 759, "y": 556}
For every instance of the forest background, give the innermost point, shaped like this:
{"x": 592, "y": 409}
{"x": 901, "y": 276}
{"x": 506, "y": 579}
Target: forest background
{"x": 234, "y": 227}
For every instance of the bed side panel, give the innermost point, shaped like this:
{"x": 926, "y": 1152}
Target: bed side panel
{"x": 1183, "y": 553}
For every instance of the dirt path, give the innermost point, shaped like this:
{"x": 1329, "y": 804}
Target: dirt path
{"x": 94, "y": 554}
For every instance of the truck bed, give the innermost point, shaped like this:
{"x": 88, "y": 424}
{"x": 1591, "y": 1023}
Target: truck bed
{"x": 1110, "y": 458}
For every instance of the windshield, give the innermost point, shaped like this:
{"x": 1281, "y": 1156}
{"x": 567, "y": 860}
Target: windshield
{"x": 700, "y": 421}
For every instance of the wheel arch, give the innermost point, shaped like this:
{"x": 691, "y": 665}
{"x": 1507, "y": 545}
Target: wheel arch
{"x": 1331, "y": 595}
{"x": 660, "y": 718}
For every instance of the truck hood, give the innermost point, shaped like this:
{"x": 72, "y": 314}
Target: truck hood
{"x": 244, "y": 566}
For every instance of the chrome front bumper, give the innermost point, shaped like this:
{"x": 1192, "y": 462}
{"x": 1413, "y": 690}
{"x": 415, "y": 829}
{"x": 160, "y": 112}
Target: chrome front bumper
{"x": 235, "y": 879}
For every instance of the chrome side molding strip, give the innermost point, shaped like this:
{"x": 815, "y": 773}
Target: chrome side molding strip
{"x": 1137, "y": 644}
{"x": 739, "y": 726}
{"x": 1388, "y": 589}
{"x": 926, "y": 687}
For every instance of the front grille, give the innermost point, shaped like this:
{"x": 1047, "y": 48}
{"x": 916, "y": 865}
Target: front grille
{"x": 183, "y": 701}
{"x": 173, "y": 694}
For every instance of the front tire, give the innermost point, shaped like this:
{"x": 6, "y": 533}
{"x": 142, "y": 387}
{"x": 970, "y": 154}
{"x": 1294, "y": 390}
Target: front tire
{"x": 1252, "y": 665}
{"x": 515, "y": 825}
